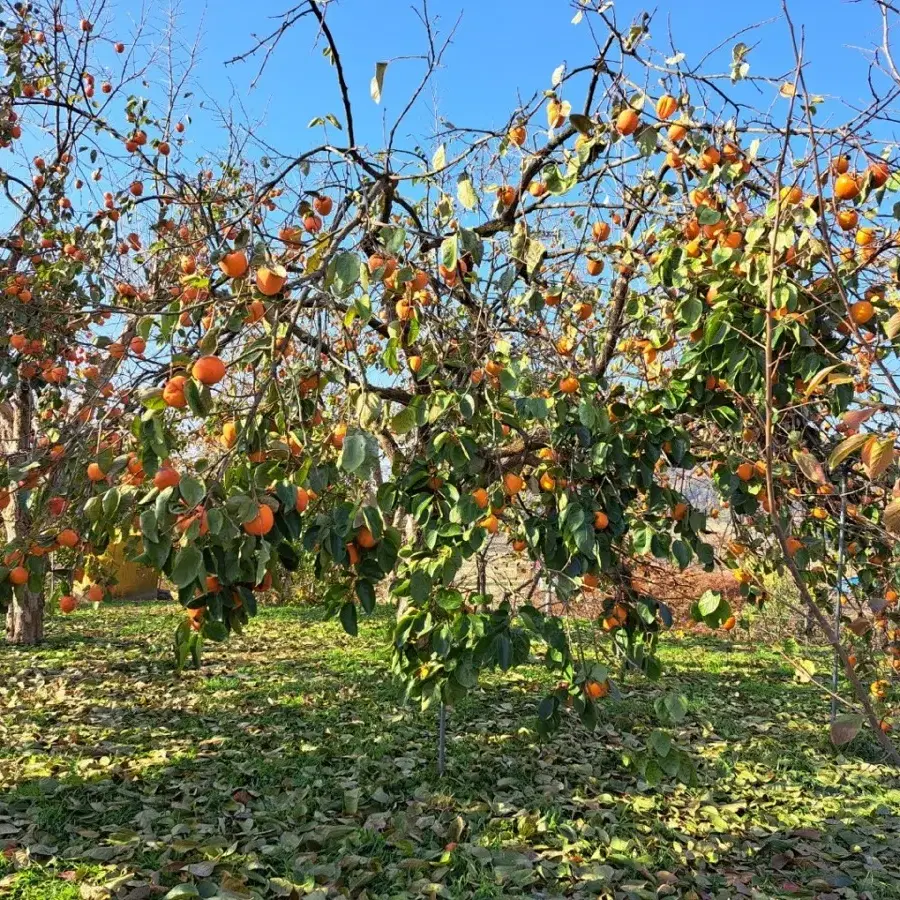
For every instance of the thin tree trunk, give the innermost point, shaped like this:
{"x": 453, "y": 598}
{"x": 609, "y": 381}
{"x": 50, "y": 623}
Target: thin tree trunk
{"x": 832, "y": 633}
{"x": 25, "y": 614}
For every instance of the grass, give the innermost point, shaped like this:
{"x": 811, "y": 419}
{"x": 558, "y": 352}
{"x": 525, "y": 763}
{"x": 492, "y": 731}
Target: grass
{"x": 290, "y": 767}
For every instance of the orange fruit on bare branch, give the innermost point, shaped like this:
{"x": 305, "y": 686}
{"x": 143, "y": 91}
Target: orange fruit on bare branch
{"x": 845, "y": 187}
{"x": 627, "y": 122}
{"x": 666, "y": 107}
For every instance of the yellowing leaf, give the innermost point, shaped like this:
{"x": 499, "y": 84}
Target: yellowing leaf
{"x": 787, "y": 90}
{"x": 377, "y": 84}
{"x": 804, "y": 669}
{"x": 818, "y": 378}
{"x": 892, "y": 326}
{"x": 810, "y": 467}
{"x": 466, "y": 191}
{"x": 845, "y": 448}
{"x": 877, "y": 455}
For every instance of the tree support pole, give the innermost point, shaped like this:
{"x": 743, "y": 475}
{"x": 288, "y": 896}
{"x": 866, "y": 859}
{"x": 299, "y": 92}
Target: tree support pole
{"x": 442, "y": 740}
{"x": 839, "y": 593}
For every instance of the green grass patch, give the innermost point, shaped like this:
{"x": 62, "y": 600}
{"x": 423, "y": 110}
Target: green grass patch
{"x": 290, "y": 766}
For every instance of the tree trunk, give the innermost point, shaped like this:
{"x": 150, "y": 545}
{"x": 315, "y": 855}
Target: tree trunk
{"x": 25, "y": 615}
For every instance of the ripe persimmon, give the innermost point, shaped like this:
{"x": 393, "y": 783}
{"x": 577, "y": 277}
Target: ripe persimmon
{"x": 166, "y": 477}
{"x": 517, "y": 135}
{"x": 270, "y": 281}
{"x": 387, "y": 265}
{"x": 490, "y": 523}
{"x": 229, "y": 434}
{"x": 590, "y": 581}
{"x": 845, "y": 187}
{"x": 861, "y": 312}
{"x": 677, "y": 133}
{"x": 666, "y": 106}
{"x": 173, "y": 392}
{"x": 847, "y": 219}
{"x": 68, "y": 537}
{"x": 627, "y": 122}
{"x": 879, "y": 172}
{"x": 596, "y": 690}
{"x": 234, "y": 265}
{"x": 262, "y": 523}
{"x": 209, "y": 370}
{"x": 512, "y": 483}
{"x": 600, "y": 231}
{"x": 95, "y": 473}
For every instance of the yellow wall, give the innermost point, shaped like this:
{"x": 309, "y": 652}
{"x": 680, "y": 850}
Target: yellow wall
{"x": 132, "y": 580}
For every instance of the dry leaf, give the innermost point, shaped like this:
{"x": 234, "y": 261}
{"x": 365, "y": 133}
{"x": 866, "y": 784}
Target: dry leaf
{"x": 851, "y": 420}
{"x": 877, "y": 455}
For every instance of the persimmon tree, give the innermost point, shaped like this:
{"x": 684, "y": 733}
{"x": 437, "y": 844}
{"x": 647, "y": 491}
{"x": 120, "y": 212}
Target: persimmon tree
{"x": 387, "y": 358}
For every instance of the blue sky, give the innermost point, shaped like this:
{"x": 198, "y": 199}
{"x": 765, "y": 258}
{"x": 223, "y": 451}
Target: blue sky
{"x": 501, "y": 47}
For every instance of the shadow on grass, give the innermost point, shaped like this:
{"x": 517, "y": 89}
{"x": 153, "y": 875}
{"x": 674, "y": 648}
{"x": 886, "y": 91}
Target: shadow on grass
{"x": 290, "y": 755}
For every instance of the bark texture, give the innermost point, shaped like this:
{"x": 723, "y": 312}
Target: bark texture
{"x": 25, "y": 614}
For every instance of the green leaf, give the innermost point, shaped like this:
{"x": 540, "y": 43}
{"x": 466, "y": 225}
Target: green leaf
{"x": 450, "y": 253}
{"x": 188, "y": 566}
{"x": 646, "y": 141}
{"x": 365, "y": 590}
{"x": 192, "y": 490}
{"x": 404, "y": 421}
{"x": 198, "y": 400}
{"x": 353, "y": 453}
{"x": 181, "y": 891}
{"x": 660, "y": 743}
{"x": 582, "y": 124}
{"x": 709, "y": 603}
{"x": 346, "y": 268}
{"x": 111, "y": 500}
{"x": 348, "y": 618}
{"x": 673, "y": 707}
{"x": 242, "y": 507}
{"x": 215, "y": 631}
{"x": 93, "y": 509}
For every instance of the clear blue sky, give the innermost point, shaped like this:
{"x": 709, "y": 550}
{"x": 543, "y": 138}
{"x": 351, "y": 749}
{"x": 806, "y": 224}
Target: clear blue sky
{"x": 501, "y": 46}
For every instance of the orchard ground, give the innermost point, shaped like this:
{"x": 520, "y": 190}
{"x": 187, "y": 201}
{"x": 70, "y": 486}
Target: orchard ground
{"x": 289, "y": 766}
